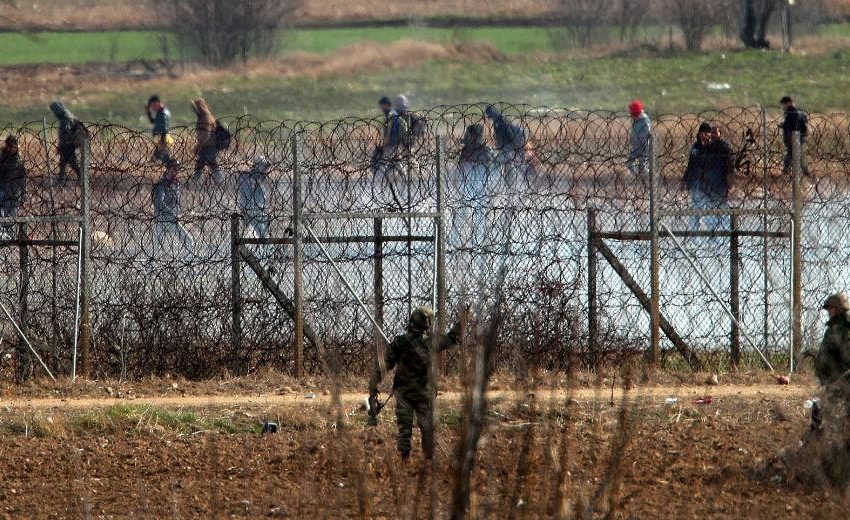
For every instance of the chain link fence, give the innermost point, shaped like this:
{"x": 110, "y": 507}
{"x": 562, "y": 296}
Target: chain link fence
{"x": 161, "y": 298}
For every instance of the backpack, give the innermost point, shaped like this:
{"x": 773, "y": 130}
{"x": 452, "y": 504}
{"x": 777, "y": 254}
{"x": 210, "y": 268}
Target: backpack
{"x": 418, "y": 126}
{"x": 79, "y": 133}
{"x": 222, "y": 137}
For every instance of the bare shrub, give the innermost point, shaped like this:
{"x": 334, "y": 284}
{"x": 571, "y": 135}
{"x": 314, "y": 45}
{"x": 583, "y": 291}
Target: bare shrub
{"x": 223, "y": 32}
{"x": 582, "y": 21}
{"x": 695, "y": 18}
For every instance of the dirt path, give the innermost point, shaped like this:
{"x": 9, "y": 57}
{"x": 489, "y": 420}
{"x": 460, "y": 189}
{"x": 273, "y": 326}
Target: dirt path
{"x": 683, "y": 393}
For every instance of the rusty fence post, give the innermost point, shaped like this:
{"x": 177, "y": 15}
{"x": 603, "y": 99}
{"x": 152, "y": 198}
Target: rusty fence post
{"x": 239, "y": 365}
{"x": 592, "y": 317}
{"x": 735, "y": 292}
{"x": 655, "y": 288}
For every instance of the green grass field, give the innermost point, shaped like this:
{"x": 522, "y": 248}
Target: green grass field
{"x": 83, "y": 47}
{"x": 673, "y": 83}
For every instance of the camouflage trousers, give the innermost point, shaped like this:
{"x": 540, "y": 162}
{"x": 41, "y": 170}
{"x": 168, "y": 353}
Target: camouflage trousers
{"x": 406, "y": 408}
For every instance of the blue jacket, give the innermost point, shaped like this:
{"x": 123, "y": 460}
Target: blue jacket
{"x": 162, "y": 122}
{"x": 508, "y": 136}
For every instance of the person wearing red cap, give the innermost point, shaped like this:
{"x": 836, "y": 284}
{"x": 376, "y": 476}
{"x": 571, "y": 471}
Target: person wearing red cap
{"x": 639, "y": 139}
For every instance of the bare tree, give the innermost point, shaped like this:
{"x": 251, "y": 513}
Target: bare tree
{"x": 695, "y": 18}
{"x": 757, "y": 15}
{"x": 226, "y": 31}
{"x": 583, "y": 19}
{"x": 632, "y": 15}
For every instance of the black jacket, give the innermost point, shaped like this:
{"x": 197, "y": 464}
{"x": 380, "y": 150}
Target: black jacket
{"x": 795, "y": 120}
{"x": 13, "y": 177}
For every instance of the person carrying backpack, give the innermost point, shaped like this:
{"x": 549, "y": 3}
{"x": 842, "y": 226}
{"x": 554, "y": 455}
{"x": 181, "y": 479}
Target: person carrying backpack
{"x": 795, "y": 121}
{"x": 72, "y": 134}
{"x": 208, "y": 137}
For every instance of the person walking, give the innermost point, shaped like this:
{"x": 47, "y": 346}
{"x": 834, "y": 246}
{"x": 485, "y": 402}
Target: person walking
{"x": 795, "y": 121}
{"x": 13, "y": 180}
{"x": 72, "y": 133}
{"x": 410, "y": 355}
{"x": 707, "y": 178}
{"x": 206, "y": 147}
{"x": 832, "y": 365}
{"x": 160, "y": 118}
{"x": 166, "y": 207}
{"x": 252, "y": 190}
{"x": 640, "y": 138}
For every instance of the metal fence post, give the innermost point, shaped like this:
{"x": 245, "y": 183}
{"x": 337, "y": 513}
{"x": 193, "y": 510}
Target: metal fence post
{"x": 592, "y": 318}
{"x": 654, "y": 308}
{"x": 297, "y": 260}
{"x": 765, "y": 188}
{"x": 378, "y": 279}
{"x": 53, "y": 354}
{"x": 734, "y": 292}
{"x": 441, "y": 242}
{"x": 239, "y": 363}
{"x": 85, "y": 299}
{"x": 24, "y": 356}
{"x": 797, "y": 254}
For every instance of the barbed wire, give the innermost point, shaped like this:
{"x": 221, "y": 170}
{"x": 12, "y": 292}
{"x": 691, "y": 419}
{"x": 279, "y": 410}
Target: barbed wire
{"x": 161, "y": 287}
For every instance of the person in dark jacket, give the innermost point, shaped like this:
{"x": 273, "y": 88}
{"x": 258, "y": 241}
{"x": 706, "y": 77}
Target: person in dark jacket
{"x": 707, "y": 177}
{"x": 69, "y": 139}
{"x": 410, "y": 355}
{"x": 13, "y": 180}
{"x": 476, "y": 165}
{"x": 795, "y": 121}
{"x": 160, "y": 118}
{"x": 512, "y": 146}
{"x": 166, "y": 211}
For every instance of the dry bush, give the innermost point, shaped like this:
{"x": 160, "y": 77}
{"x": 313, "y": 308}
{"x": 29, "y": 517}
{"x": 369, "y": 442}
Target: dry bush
{"x": 227, "y": 31}
{"x": 695, "y": 18}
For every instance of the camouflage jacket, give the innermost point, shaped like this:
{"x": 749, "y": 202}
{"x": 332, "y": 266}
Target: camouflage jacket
{"x": 410, "y": 355}
{"x": 833, "y": 358}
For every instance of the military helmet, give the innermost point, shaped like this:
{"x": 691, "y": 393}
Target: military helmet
{"x": 422, "y": 318}
{"x": 837, "y": 300}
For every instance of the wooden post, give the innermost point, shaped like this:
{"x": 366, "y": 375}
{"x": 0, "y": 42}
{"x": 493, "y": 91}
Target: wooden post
{"x": 24, "y": 356}
{"x": 655, "y": 289}
{"x": 734, "y": 293}
{"x": 797, "y": 252}
{"x": 239, "y": 365}
{"x": 441, "y": 243}
{"x": 85, "y": 298}
{"x": 297, "y": 261}
{"x": 592, "y": 318}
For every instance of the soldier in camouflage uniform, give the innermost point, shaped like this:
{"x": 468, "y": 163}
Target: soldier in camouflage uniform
{"x": 410, "y": 355}
{"x": 832, "y": 361}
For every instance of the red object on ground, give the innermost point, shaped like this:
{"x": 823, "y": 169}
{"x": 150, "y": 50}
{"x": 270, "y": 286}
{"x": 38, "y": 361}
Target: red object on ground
{"x": 704, "y": 400}
{"x": 783, "y": 380}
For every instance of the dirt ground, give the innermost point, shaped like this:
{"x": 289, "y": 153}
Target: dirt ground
{"x": 551, "y": 450}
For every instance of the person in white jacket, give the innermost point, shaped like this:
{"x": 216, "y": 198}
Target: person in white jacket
{"x": 639, "y": 139}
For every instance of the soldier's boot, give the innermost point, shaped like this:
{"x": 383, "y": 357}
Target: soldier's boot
{"x": 404, "y": 421}
{"x": 404, "y": 454}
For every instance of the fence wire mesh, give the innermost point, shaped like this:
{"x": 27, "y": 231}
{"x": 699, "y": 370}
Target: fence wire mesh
{"x": 161, "y": 291}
